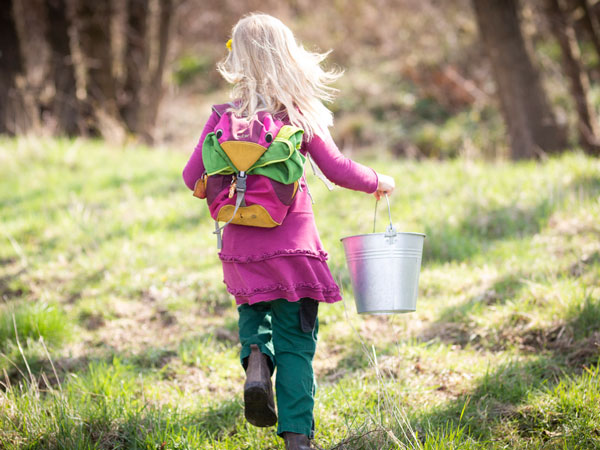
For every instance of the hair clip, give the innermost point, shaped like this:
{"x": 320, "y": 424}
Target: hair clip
{"x": 228, "y": 45}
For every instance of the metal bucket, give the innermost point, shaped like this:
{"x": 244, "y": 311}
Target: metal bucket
{"x": 384, "y": 269}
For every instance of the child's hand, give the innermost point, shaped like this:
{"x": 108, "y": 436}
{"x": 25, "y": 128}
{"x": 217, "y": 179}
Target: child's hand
{"x": 386, "y": 185}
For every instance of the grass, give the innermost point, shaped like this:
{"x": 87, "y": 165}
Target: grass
{"x": 128, "y": 339}
{"x": 33, "y": 320}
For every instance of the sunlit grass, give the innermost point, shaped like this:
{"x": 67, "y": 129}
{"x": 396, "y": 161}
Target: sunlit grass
{"x": 108, "y": 265}
{"x": 32, "y": 321}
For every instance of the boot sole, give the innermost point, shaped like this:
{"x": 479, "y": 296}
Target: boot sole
{"x": 257, "y": 407}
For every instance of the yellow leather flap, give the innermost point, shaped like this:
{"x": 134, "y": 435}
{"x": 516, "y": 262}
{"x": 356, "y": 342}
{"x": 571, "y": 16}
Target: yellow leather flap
{"x": 252, "y": 216}
{"x": 242, "y": 154}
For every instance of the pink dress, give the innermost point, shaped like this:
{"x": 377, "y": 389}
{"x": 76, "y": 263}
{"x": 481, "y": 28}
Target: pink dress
{"x": 288, "y": 261}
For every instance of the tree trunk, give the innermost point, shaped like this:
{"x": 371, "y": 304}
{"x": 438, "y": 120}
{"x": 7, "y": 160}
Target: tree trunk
{"x": 587, "y": 122}
{"x": 136, "y": 63}
{"x": 156, "y": 88}
{"x": 592, "y": 23}
{"x": 94, "y": 21}
{"x": 65, "y": 105}
{"x": 531, "y": 124}
{"x": 12, "y": 64}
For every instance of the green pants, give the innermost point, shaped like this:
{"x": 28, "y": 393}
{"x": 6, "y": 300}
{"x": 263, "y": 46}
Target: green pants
{"x": 277, "y": 328}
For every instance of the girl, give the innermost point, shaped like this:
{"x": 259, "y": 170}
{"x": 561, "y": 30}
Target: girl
{"x": 279, "y": 275}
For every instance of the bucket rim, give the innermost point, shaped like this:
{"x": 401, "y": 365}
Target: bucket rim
{"x": 383, "y": 234}
{"x": 384, "y": 312}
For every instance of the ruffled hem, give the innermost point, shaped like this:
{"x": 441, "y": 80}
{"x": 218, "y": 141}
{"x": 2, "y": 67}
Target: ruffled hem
{"x": 292, "y": 277}
{"x": 281, "y": 287}
{"x": 320, "y": 255}
{"x": 327, "y": 294}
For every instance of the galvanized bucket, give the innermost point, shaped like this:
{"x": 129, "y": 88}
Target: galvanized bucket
{"x": 384, "y": 269}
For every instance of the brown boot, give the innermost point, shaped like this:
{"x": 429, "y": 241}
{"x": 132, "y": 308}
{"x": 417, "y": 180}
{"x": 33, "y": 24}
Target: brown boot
{"x": 259, "y": 407}
{"x": 296, "y": 441}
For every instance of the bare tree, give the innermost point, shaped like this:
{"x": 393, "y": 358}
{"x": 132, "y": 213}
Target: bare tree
{"x": 531, "y": 124}
{"x": 592, "y": 23}
{"x": 136, "y": 62}
{"x": 589, "y": 133}
{"x": 156, "y": 88}
{"x": 12, "y": 65}
{"x": 93, "y": 20}
{"x": 65, "y": 105}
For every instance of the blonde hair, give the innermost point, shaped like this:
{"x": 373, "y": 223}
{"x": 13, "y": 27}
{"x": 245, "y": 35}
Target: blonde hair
{"x": 270, "y": 71}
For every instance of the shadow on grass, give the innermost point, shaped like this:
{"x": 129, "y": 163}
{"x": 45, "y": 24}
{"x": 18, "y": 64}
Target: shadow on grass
{"x": 447, "y": 243}
{"x": 355, "y": 359}
{"x": 160, "y": 361}
{"x": 495, "y": 398}
{"x": 557, "y": 353}
{"x": 10, "y": 287}
{"x": 502, "y": 290}
{"x": 455, "y": 326}
{"x": 480, "y": 227}
{"x": 584, "y": 265}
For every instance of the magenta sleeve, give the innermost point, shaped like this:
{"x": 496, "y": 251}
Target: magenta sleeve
{"x": 341, "y": 170}
{"x": 195, "y": 167}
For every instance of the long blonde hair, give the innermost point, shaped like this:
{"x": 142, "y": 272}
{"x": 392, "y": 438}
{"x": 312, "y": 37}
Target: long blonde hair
{"x": 270, "y": 71}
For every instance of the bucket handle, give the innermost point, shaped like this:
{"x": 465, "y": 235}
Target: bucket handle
{"x": 390, "y": 231}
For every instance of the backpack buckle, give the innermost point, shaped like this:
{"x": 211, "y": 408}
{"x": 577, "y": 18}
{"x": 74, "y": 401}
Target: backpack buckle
{"x": 240, "y": 183}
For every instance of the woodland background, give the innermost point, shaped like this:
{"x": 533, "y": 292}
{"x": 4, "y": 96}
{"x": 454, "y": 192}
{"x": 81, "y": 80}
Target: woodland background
{"x": 423, "y": 78}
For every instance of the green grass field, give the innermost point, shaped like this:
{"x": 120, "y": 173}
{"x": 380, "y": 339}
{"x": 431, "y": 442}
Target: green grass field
{"x": 117, "y": 332}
